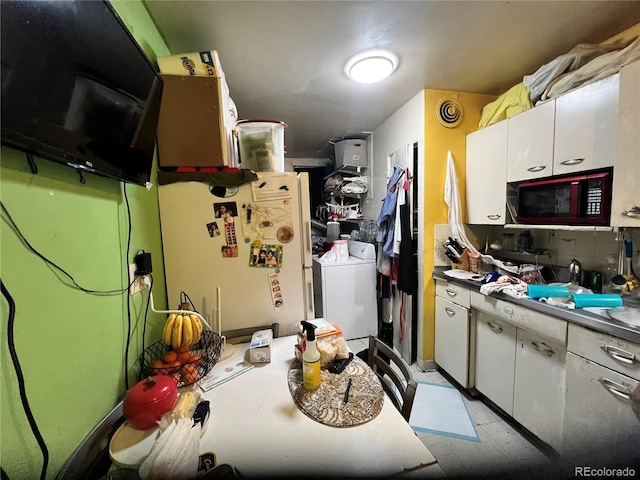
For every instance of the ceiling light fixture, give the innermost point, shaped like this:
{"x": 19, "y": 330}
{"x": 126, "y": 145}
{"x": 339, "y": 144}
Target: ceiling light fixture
{"x": 372, "y": 66}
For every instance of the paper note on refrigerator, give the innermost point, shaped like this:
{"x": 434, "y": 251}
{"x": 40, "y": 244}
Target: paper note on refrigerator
{"x": 272, "y": 187}
{"x": 264, "y": 219}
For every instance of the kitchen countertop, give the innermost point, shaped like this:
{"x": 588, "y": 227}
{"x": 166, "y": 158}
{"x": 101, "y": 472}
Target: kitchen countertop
{"x": 578, "y": 316}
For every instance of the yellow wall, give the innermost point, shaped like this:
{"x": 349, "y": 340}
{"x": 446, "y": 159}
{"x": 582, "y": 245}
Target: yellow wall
{"x": 438, "y": 141}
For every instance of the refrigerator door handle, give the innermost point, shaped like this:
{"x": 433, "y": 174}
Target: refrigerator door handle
{"x": 310, "y": 308}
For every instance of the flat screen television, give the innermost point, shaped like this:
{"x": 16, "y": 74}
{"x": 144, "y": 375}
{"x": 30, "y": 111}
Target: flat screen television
{"x": 77, "y": 88}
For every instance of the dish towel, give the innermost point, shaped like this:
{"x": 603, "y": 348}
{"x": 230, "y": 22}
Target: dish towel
{"x": 452, "y": 198}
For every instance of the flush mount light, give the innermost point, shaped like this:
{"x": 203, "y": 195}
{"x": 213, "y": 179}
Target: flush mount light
{"x": 372, "y": 66}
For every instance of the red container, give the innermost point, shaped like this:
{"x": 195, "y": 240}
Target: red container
{"x": 148, "y": 400}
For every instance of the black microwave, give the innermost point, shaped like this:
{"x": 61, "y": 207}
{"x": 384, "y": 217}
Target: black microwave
{"x": 573, "y": 200}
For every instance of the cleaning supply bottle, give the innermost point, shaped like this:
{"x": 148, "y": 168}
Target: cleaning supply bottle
{"x": 310, "y": 358}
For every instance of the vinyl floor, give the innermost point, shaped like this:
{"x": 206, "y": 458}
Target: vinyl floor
{"x": 503, "y": 451}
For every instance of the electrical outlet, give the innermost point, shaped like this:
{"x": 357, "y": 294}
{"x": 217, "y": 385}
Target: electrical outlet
{"x": 138, "y": 285}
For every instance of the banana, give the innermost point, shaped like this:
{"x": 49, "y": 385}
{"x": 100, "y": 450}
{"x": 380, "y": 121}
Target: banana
{"x": 168, "y": 329}
{"x": 176, "y": 337}
{"x": 187, "y": 331}
{"x": 197, "y": 328}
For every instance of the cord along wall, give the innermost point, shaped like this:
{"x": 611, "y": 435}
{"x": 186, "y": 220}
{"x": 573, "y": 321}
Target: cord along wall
{"x": 71, "y": 344}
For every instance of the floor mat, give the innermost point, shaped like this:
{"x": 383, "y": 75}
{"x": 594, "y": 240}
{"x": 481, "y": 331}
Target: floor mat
{"x": 440, "y": 409}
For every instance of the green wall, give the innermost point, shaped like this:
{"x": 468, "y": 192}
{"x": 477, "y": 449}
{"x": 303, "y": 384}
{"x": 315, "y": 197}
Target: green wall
{"x": 71, "y": 344}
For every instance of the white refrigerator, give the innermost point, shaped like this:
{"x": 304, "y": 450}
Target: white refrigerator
{"x": 241, "y": 254}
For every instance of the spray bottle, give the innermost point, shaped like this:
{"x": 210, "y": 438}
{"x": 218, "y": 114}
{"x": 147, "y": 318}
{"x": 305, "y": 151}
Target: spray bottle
{"x": 310, "y": 359}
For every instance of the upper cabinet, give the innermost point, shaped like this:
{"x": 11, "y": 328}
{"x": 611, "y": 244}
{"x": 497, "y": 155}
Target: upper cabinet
{"x": 592, "y": 127}
{"x": 625, "y": 205}
{"x": 585, "y": 127}
{"x": 530, "y": 144}
{"x": 487, "y": 175}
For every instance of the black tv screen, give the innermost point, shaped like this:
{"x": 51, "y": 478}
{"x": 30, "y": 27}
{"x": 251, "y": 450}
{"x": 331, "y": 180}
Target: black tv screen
{"x": 77, "y": 88}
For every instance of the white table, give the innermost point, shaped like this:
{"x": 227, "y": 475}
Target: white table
{"x": 256, "y": 427}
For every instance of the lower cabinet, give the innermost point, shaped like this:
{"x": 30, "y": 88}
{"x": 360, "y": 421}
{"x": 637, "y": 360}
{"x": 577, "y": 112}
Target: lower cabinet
{"x": 538, "y": 394}
{"x": 452, "y": 340}
{"x": 602, "y": 416}
{"x": 523, "y": 373}
{"x": 495, "y": 360}
{"x": 599, "y": 417}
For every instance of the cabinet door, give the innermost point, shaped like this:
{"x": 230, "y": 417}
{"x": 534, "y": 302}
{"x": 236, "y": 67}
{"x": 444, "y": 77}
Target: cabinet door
{"x": 487, "y": 175}
{"x": 625, "y": 205}
{"x": 452, "y": 340}
{"x": 530, "y": 143}
{"x": 538, "y": 399}
{"x": 586, "y": 124}
{"x": 495, "y": 360}
{"x": 599, "y": 418}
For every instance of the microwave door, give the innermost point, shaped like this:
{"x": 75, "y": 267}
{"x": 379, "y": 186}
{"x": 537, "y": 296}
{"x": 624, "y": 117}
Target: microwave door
{"x": 551, "y": 201}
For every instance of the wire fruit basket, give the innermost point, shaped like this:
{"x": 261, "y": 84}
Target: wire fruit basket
{"x": 205, "y": 354}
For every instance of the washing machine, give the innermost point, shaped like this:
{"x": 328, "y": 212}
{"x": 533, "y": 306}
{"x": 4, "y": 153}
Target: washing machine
{"x": 345, "y": 291}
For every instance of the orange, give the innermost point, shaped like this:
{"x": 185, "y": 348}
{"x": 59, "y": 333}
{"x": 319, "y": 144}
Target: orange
{"x": 170, "y": 356}
{"x": 176, "y": 377}
{"x": 195, "y": 360}
{"x": 156, "y": 364}
{"x": 182, "y": 349}
{"x": 184, "y": 357}
{"x": 189, "y": 374}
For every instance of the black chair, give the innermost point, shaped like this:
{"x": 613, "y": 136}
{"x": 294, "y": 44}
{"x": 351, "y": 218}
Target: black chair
{"x": 90, "y": 460}
{"x": 242, "y": 335}
{"x": 386, "y": 361}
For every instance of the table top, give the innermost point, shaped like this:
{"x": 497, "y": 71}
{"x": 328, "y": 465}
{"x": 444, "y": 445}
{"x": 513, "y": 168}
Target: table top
{"x": 256, "y": 427}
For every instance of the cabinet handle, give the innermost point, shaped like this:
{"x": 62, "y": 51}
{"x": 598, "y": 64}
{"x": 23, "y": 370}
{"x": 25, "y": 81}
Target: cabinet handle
{"x": 543, "y": 348}
{"x": 634, "y": 212}
{"x": 617, "y": 389}
{"x": 572, "y": 161}
{"x": 538, "y": 168}
{"x": 508, "y": 311}
{"x": 451, "y": 292}
{"x": 620, "y": 355}
{"x": 495, "y": 327}
{"x": 493, "y": 217}
{"x": 451, "y": 312}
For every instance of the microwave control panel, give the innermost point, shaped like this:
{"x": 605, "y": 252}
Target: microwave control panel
{"x": 595, "y": 192}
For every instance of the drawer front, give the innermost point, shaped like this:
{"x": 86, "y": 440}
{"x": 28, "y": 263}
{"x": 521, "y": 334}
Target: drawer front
{"x": 612, "y": 352}
{"x": 455, "y": 293}
{"x": 550, "y": 327}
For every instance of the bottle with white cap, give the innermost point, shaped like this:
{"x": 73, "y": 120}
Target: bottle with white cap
{"x": 310, "y": 358}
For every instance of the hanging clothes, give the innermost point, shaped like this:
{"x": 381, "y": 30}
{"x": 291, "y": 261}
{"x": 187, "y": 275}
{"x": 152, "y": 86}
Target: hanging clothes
{"x": 386, "y": 223}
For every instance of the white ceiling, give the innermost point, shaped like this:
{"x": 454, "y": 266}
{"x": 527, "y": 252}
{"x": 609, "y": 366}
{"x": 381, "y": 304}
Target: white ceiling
{"x": 284, "y": 60}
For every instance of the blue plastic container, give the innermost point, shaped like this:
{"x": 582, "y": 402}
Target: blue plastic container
{"x": 539, "y": 291}
{"x": 597, "y": 300}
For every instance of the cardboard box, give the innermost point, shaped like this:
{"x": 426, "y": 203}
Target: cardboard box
{"x": 191, "y": 131}
{"x": 260, "y": 347}
{"x": 204, "y": 63}
{"x": 197, "y": 115}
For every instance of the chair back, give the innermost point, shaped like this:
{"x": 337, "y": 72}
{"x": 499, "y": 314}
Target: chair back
{"x": 386, "y": 361}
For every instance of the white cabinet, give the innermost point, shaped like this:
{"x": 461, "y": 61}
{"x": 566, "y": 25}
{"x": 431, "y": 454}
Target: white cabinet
{"x": 625, "y": 205}
{"x": 585, "y": 127}
{"x": 538, "y": 395}
{"x": 495, "y": 360}
{"x": 486, "y": 175}
{"x": 602, "y": 373}
{"x": 520, "y": 364}
{"x": 453, "y": 333}
{"x": 530, "y": 143}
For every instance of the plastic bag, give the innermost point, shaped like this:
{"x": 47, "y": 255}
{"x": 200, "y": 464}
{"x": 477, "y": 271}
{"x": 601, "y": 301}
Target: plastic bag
{"x": 175, "y": 454}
